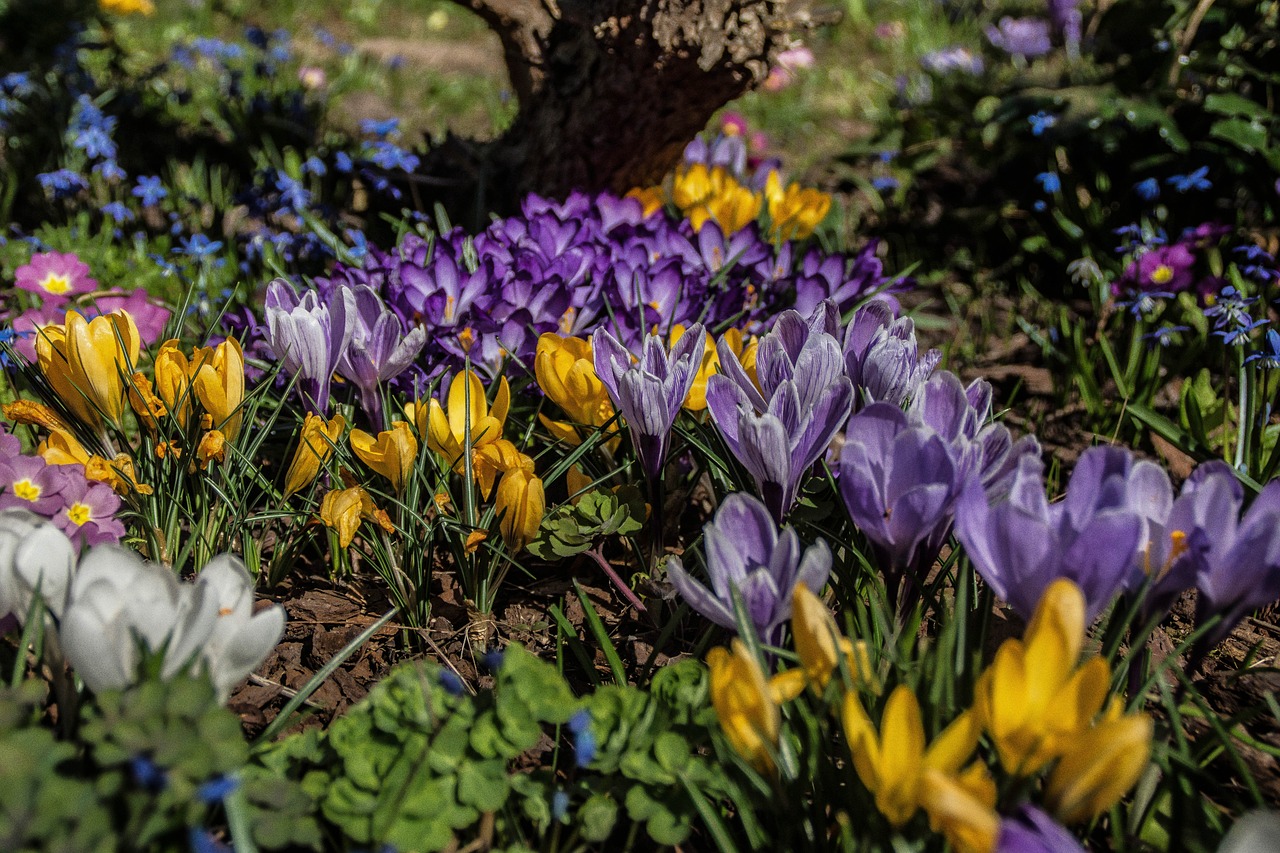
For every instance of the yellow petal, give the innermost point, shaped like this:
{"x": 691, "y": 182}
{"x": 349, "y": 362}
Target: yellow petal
{"x": 970, "y": 824}
{"x": 901, "y": 755}
{"x": 1099, "y": 768}
{"x": 953, "y": 746}
{"x": 863, "y": 743}
{"x": 746, "y": 711}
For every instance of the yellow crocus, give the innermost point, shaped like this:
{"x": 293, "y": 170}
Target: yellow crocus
{"x": 744, "y": 705}
{"x": 892, "y": 762}
{"x": 212, "y": 448}
{"x": 567, "y": 375}
{"x": 795, "y": 211}
{"x": 520, "y": 503}
{"x": 33, "y": 413}
{"x": 696, "y": 401}
{"x": 341, "y": 510}
{"x": 315, "y": 447}
{"x": 1099, "y": 766}
{"x": 493, "y": 459}
{"x": 173, "y": 372}
{"x": 391, "y": 454}
{"x": 469, "y": 414}
{"x": 734, "y": 207}
{"x": 87, "y": 362}
{"x": 1033, "y": 699}
{"x": 127, "y": 7}
{"x": 63, "y": 448}
{"x": 650, "y": 198}
{"x": 820, "y": 645}
{"x": 693, "y": 184}
{"x": 962, "y": 807}
{"x": 218, "y": 380}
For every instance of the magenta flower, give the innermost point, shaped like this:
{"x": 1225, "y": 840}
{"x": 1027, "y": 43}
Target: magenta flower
{"x": 149, "y": 317}
{"x": 88, "y": 513}
{"x": 1165, "y": 269}
{"x": 29, "y": 483}
{"x": 27, "y": 325}
{"x": 55, "y": 276}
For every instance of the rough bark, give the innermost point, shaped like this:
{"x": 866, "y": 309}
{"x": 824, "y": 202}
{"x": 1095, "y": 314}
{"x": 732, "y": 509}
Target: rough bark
{"x": 610, "y": 91}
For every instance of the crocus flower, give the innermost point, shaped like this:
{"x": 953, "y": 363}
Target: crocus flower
{"x": 820, "y": 645}
{"x": 342, "y": 510}
{"x": 1098, "y": 766}
{"x": 315, "y": 447}
{"x": 520, "y": 503}
{"x": 961, "y": 807}
{"x": 779, "y": 429}
{"x": 218, "y": 383}
{"x": 55, "y": 276}
{"x": 1240, "y": 570}
{"x": 1022, "y": 544}
{"x": 379, "y": 349}
{"x": 87, "y": 362}
{"x": 649, "y": 393}
{"x": 309, "y": 338}
{"x": 1031, "y": 830}
{"x": 241, "y": 638}
{"x": 747, "y": 555}
{"x": 469, "y": 418}
{"x": 899, "y": 483}
{"x": 34, "y": 554}
{"x": 1024, "y": 37}
{"x": 882, "y": 358}
{"x": 794, "y": 212}
{"x": 149, "y": 317}
{"x": 173, "y": 371}
{"x": 391, "y": 454}
{"x": 746, "y": 709}
{"x": 891, "y": 762}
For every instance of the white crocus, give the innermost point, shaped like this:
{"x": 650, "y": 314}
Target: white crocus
{"x": 34, "y": 554}
{"x": 241, "y": 639}
{"x": 120, "y": 606}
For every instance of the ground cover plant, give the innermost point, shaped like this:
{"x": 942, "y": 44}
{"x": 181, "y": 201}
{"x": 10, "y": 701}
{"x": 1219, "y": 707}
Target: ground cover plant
{"x": 892, "y": 466}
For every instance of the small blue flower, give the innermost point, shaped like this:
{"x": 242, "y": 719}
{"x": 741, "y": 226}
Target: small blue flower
{"x": 1230, "y": 308}
{"x": 1269, "y": 356}
{"x": 146, "y": 774}
{"x": 1197, "y": 180}
{"x": 217, "y": 789}
{"x": 1040, "y": 122}
{"x": 1049, "y": 182}
{"x": 110, "y": 170}
{"x": 149, "y": 190}
{"x": 62, "y": 183}
{"x": 1240, "y": 335}
{"x": 389, "y": 156}
{"x": 95, "y": 143}
{"x": 118, "y": 212}
{"x": 1165, "y": 335}
{"x": 1147, "y": 190}
{"x": 492, "y": 660}
{"x": 294, "y": 196}
{"x": 198, "y": 246}
{"x": 342, "y": 162}
{"x": 380, "y": 129}
{"x": 884, "y": 183}
{"x": 18, "y": 84}
{"x": 202, "y": 841}
{"x": 315, "y": 166}
{"x": 450, "y": 682}
{"x": 1143, "y": 303}
{"x": 559, "y": 804}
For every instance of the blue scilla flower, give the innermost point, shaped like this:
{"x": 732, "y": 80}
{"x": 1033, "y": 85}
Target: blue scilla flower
{"x": 342, "y": 162}
{"x": 1230, "y": 308}
{"x": 389, "y": 156}
{"x": 314, "y": 166}
{"x": 492, "y": 660}
{"x": 451, "y": 683}
{"x": 202, "y": 841}
{"x": 1040, "y": 122}
{"x": 1196, "y": 180}
{"x": 1147, "y": 190}
{"x": 293, "y": 195}
{"x": 559, "y": 804}
{"x": 1269, "y": 356}
{"x": 18, "y": 84}
{"x": 380, "y": 128}
{"x": 1049, "y": 181}
{"x": 118, "y": 212}
{"x": 149, "y": 190}
{"x": 884, "y": 183}
{"x": 217, "y": 789}
{"x": 1259, "y": 264}
{"x": 198, "y": 246}
{"x": 584, "y": 739}
{"x": 1165, "y": 335}
{"x": 1143, "y": 303}
{"x": 62, "y": 182}
{"x": 110, "y": 171}
{"x": 95, "y": 142}
{"x": 1240, "y": 335}
{"x": 147, "y": 774}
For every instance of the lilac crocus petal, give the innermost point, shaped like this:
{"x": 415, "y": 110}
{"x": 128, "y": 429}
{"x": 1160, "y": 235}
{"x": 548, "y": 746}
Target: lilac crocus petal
{"x": 882, "y": 357}
{"x": 1030, "y": 830}
{"x": 308, "y": 337}
{"x": 747, "y": 555}
{"x": 1022, "y": 543}
{"x": 1242, "y": 573}
{"x": 378, "y": 350}
{"x": 649, "y": 393}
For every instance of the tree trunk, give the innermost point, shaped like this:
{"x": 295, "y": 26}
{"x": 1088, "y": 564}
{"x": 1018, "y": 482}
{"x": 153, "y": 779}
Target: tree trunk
{"x": 611, "y": 91}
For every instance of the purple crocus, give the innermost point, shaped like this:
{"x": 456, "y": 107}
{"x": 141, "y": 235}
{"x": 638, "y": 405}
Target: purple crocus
{"x": 1021, "y": 544}
{"x": 778, "y": 431}
{"x": 882, "y": 358}
{"x": 309, "y": 337}
{"x": 379, "y": 349}
{"x": 1030, "y": 830}
{"x": 1023, "y": 37}
{"x": 899, "y": 483}
{"x": 1239, "y": 571}
{"x": 746, "y": 553}
{"x": 650, "y": 392}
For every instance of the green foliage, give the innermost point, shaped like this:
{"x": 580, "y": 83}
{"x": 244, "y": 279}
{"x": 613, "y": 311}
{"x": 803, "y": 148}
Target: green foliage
{"x": 572, "y": 528}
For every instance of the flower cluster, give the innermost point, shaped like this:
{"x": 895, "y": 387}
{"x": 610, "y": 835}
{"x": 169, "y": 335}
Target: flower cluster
{"x": 81, "y": 508}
